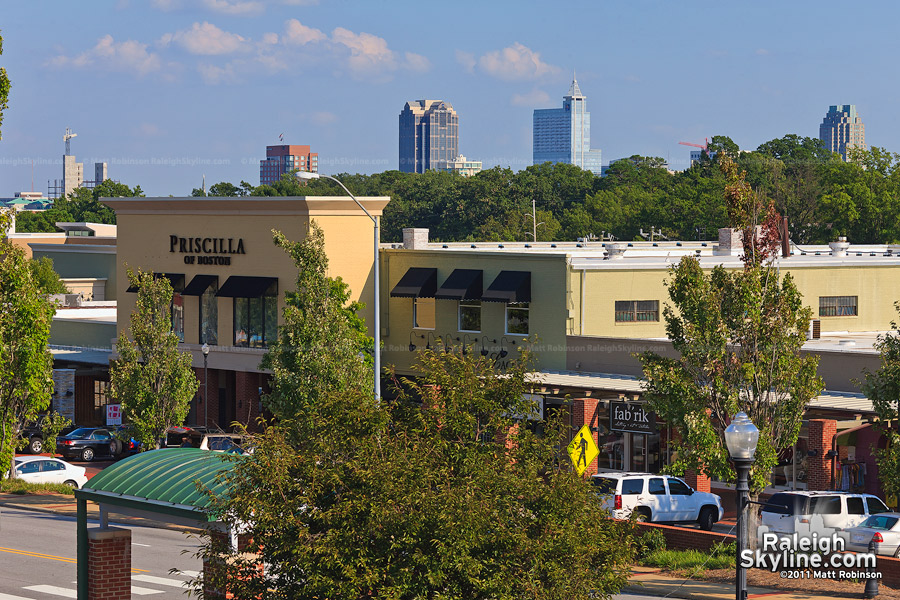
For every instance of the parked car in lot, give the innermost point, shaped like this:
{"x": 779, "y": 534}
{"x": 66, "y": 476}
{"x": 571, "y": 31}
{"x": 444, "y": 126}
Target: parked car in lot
{"x": 884, "y": 527}
{"x": 784, "y": 512}
{"x": 87, "y": 443}
{"x": 206, "y": 439}
{"x": 657, "y": 498}
{"x": 33, "y": 433}
{"x": 39, "y": 469}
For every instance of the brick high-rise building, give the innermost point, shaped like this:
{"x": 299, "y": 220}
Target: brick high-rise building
{"x": 842, "y": 129}
{"x": 284, "y": 159}
{"x": 429, "y": 135}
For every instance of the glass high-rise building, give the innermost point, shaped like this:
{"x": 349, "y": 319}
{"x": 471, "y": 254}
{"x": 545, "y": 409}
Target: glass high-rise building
{"x": 842, "y": 129}
{"x": 563, "y": 135}
{"x": 429, "y": 135}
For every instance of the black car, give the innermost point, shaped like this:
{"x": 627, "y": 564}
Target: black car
{"x": 87, "y": 443}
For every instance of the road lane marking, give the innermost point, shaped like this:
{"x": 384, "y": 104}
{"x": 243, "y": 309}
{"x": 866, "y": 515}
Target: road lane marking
{"x": 188, "y": 573}
{"x": 51, "y": 557}
{"x": 159, "y": 580}
{"x": 53, "y": 589}
{"x": 144, "y": 591}
{"x": 8, "y": 597}
{"x": 136, "y": 544}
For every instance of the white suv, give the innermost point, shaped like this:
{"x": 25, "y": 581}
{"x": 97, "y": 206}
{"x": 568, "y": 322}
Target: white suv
{"x": 786, "y": 513}
{"x": 657, "y": 498}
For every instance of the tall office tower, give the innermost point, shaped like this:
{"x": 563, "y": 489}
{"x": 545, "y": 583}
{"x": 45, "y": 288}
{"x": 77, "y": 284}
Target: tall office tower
{"x": 563, "y": 135}
{"x": 73, "y": 174}
{"x": 842, "y": 129}
{"x": 284, "y": 159}
{"x": 429, "y": 135}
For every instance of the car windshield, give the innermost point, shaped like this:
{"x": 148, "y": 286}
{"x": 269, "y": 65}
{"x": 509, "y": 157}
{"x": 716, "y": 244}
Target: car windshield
{"x": 81, "y": 432}
{"x": 881, "y": 522}
{"x": 786, "y": 504}
{"x": 604, "y": 485}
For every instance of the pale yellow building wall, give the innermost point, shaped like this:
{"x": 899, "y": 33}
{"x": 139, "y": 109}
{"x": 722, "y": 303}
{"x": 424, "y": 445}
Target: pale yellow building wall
{"x": 547, "y": 315}
{"x": 877, "y": 288}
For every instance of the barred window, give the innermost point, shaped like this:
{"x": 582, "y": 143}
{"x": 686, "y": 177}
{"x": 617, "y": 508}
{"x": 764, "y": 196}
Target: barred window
{"x": 838, "y": 306}
{"x": 630, "y": 311}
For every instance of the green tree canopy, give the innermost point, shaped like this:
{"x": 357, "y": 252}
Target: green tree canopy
{"x": 46, "y": 278}
{"x": 152, "y": 378}
{"x": 4, "y": 89}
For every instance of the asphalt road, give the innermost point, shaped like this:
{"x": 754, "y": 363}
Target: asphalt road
{"x": 38, "y": 554}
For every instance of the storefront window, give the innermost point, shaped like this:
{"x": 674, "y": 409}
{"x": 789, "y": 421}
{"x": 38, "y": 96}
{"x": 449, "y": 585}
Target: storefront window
{"x": 517, "y": 318}
{"x": 178, "y": 315}
{"x": 209, "y": 315}
{"x": 470, "y": 315}
{"x": 423, "y": 313}
{"x": 256, "y": 320}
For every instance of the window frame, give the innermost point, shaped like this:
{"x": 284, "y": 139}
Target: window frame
{"x": 634, "y": 311}
{"x": 213, "y": 327}
{"x": 268, "y": 303}
{"x": 517, "y": 306}
{"x": 837, "y": 309}
{"x": 468, "y": 304}
{"x": 415, "y": 315}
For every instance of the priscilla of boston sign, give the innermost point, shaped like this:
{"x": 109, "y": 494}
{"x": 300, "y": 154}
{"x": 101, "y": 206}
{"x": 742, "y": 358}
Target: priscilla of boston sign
{"x": 628, "y": 416}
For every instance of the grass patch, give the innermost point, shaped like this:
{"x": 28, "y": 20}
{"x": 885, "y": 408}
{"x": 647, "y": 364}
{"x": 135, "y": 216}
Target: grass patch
{"x": 691, "y": 563}
{"x": 17, "y": 486}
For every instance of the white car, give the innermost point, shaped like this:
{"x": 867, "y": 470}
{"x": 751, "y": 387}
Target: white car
{"x": 657, "y": 498}
{"x": 786, "y": 513}
{"x": 40, "y": 469}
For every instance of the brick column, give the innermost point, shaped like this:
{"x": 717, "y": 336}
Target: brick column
{"x": 583, "y": 411}
{"x": 697, "y": 480}
{"x": 109, "y": 564}
{"x": 821, "y": 436}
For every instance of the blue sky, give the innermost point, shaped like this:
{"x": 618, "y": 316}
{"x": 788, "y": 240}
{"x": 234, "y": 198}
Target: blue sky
{"x": 168, "y": 91}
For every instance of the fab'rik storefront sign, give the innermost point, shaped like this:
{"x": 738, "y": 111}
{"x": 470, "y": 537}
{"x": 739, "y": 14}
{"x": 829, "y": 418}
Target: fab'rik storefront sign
{"x": 206, "y": 250}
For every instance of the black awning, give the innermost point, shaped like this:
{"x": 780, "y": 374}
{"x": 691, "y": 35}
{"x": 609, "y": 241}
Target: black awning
{"x": 463, "y": 284}
{"x": 509, "y": 286}
{"x": 176, "y": 279}
{"x": 199, "y": 284}
{"x": 238, "y": 286}
{"x": 418, "y": 282}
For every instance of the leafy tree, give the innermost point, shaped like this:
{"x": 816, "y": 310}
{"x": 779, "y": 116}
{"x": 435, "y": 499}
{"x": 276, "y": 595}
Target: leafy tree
{"x": 223, "y": 188}
{"x": 322, "y": 336}
{"x": 151, "y": 378}
{"x": 439, "y": 494}
{"x": 883, "y": 388}
{"x": 26, "y": 366}
{"x": 45, "y": 277}
{"x": 4, "y": 89}
{"x": 739, "y": 336}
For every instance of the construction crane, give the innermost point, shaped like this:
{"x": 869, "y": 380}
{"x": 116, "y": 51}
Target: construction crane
{"x": 69, "y": 135}
{"x": 703, "y": 146}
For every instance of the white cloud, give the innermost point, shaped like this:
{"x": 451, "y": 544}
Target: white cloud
{"x": 166, "y": 5}
{"x": 417, "y": 63}
{"x": 130, "y": 56}
{"x": 515, "y": 63}
{"x": 235, "y": 7}
{"x": 213, "y": 74}
{"x": 205, "y": 39}
{"x": 149, "y": 130}
{"x": 296, "y": 33}
{"x": 369, "y": 54}
{"x": 323, "y": 118}
{"x": 467, "y": 60}
{"x": 533, "y": 98}
{"x": 300, "y": 2}
{"x": 270, "y": 38}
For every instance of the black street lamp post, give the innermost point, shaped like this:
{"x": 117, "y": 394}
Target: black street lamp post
{"x": 205, "y": 350}
{"x": 741, "y": 437}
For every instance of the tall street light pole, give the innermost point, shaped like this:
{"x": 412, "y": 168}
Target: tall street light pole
{"x": 205, "y": 350}
{"x": 306, "y": 175}
{"x": 741, "y": 437}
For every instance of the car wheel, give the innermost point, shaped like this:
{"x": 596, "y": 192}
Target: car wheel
{"x": 72, "y": 484}
{"x": 642, "y": 515}
{"x": 87, "y": 455}
{"x": 36, "y": 445}
{"x": 115, "y": 448}
{"x": 706, "y": 519}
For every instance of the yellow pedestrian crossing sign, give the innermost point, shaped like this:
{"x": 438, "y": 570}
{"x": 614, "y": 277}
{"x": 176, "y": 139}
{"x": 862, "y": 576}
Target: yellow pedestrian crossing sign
{"x": 582, "y": 449}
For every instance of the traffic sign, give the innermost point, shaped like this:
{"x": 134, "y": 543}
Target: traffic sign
{"x": 582, "y": 449}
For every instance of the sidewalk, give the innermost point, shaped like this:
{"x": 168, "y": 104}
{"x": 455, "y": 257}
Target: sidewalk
{"x": 650, "y": 581}
{"x": 67, "y": 506}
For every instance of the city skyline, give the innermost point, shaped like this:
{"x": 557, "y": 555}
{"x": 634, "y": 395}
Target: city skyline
{"x": 170, "y": 91}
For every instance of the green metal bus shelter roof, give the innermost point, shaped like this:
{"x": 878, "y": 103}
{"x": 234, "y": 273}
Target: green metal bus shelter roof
{"x": 161, "y": 482}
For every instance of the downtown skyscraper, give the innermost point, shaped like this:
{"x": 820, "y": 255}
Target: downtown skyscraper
{"x": 563, "y": 135}
{"x": 429, "y": 135}
{"x": 842, "y": 129}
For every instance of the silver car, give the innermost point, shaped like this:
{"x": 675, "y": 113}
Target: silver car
{"x": 887, "y": 525}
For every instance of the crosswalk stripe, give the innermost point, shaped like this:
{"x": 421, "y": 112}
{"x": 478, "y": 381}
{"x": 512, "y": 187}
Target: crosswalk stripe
{"x": 159, "y": 580}
{"x": 53, "y": 589}
{"x": 144, "y": 591}
{"x": 8, "y": 597}
{"x": 189, "y": 573}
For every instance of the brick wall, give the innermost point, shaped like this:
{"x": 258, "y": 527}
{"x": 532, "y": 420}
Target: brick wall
{"x": 679, "y": 538}
{"x": 109, "y": 564}
{"x": 697, "y": 480}
{"x": 821, "y": 437}
{"x": 247, "y": 397}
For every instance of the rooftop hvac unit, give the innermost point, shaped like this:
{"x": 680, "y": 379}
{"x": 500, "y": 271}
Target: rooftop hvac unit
{"x": 815, "y": 330}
